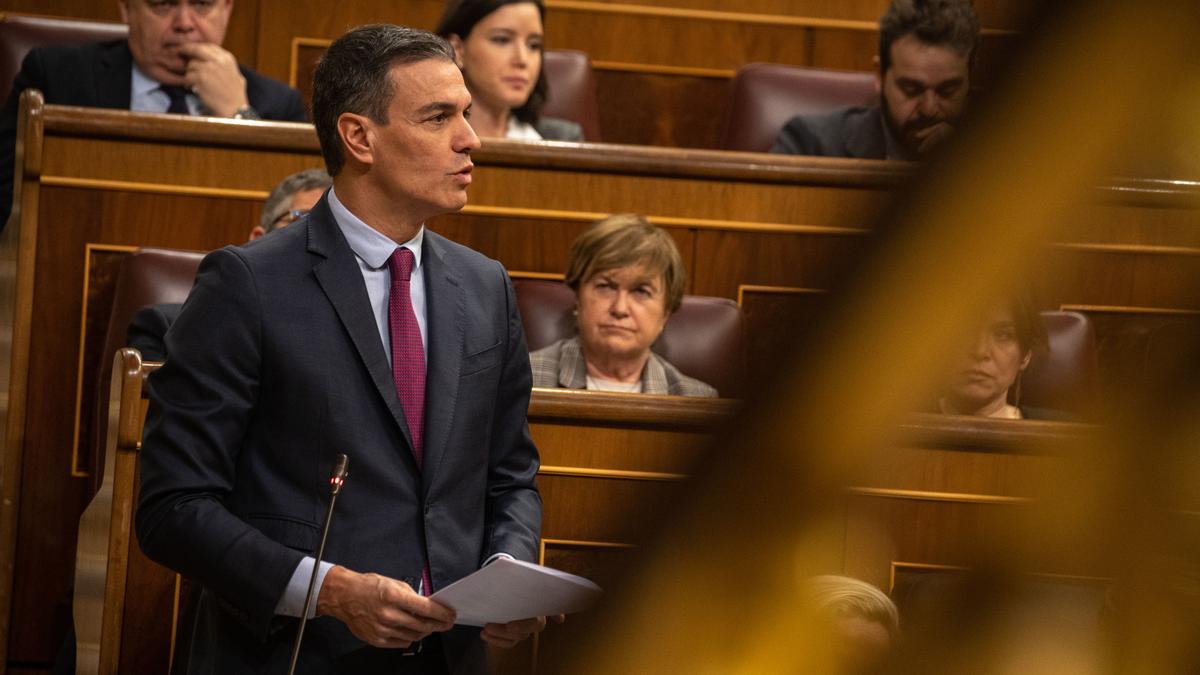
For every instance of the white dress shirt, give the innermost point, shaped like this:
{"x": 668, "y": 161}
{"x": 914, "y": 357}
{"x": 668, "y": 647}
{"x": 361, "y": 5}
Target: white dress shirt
{"x": 518, "y": 130}
{"x": 146, "y": 96}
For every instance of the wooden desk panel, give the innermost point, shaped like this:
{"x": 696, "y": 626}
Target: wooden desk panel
{"x": 59, "y": 460}
{"x": 992, "y": 13}
{"x": 533, "y": 244}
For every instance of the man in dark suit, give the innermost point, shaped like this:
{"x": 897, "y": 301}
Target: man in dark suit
{"x": 354, "y": 330}
{"x": 923, "y": 73}
{"x": 173, "y": 61}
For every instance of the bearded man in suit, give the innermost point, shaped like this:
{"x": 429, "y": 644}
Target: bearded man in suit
{"x": 354, "y": 330}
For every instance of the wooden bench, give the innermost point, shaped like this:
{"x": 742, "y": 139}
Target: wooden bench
{"x": 610, "y": 464}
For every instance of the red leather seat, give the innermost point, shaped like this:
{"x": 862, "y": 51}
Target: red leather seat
{"x": 572, "y": 90}
{"x": 703, "y": 338}
{"x": 1064, "y": 377}
{"x": 764, "y": 96}
{"x": 19, "y": 34}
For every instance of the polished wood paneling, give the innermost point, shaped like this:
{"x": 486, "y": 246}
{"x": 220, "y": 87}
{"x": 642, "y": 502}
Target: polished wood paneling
{"x": 992, "y": 13}
{"x": 102, "y": 267}
{"x": 681, "y": 111}
{"x": 773, "y": 315}
{"x": 76, "y": 218}
{"x": 1129, "y": 278}
{"x": 532, "y": 244}
{"x": 681, "y": 41}
{"x": 289, "y": 19}
{"x": 770, "y": 259}
{"x": 600, "y": 563}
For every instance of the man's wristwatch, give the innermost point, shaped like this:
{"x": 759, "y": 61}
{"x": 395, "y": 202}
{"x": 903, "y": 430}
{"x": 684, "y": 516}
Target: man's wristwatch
{"x": 246, "y": 113}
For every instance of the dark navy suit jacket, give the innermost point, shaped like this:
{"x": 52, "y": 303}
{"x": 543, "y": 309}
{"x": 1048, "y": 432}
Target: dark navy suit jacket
{"x": 148, "y": 330}
{"x": 850, "y": 132}
{"x": 98, "y": 75}
{"x": 275, "y": 367}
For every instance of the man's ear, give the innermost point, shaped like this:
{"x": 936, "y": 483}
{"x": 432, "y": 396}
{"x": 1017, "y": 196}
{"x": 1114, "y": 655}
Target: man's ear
{"x": 257, "y": 232}
{"x": 357, "y": 137}
{"x": 457, "y": 43}
{"x": 878, "y": 74}
{"x": 124, "y": 10}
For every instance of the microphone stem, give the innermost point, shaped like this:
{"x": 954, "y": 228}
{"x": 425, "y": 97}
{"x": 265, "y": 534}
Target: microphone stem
{"x": 312, "y": 583}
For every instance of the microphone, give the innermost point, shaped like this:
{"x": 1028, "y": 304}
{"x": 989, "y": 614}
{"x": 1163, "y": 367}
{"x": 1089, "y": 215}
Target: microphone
{"x": 336, "y": 481}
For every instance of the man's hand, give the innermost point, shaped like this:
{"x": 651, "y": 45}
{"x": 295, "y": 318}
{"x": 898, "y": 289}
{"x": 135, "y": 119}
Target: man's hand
{"x": 505, "y": 635}
{"x": 380, "y": 611}
{"x": 212, "y": 72}
{"x": 932, "y": 136}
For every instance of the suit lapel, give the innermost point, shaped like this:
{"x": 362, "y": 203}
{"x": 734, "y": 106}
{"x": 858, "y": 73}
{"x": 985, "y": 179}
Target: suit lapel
{"x": 444, "y": 313}
{"x": 113, "y": 76}
{"x": 340, "y": 278}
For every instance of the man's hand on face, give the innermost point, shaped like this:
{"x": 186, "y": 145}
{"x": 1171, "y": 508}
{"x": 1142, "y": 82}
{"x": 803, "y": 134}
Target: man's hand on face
{"x": 932, "y": 136}
{"x": 212, "y": 72}
{"x": 506, "y": 635}
{"x": 380, "y": 611}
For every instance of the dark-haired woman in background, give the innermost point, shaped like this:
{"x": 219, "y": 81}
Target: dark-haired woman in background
{"x": 986, "y": 381}
{"x": 499, "y": 44}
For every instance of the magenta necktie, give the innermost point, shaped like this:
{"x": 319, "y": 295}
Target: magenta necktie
{"x": 408, "y": 360}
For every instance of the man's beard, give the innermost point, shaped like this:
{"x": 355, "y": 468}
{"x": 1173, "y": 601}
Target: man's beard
{"x": 905, "y": 134}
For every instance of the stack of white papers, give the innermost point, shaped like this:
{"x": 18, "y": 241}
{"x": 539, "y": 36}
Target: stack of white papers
{"x": 508, "y": 590}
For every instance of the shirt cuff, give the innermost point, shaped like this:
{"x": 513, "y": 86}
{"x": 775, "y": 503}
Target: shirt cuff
{"x": 292, "y": 602}
{"x": 494, "y": 557}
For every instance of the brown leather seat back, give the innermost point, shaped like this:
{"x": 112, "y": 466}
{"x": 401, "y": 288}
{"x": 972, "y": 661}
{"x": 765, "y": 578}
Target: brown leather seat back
{"x": 765, "y": 96}
{"x": 572, "y": 90}
{"x": 19, "y": 34}
{"x": 1065, "y": 376}
{"x": 148, "y": 276}
{"x": 704, "y": 338}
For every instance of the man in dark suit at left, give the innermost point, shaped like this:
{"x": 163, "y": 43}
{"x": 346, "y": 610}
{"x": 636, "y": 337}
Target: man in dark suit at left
{"x": 353, "y": 330}
{"x": 172, "y": 62}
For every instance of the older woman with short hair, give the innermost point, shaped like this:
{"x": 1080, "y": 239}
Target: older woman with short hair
{"x": 628, "y": 278}
{"x": 862, "y": 620}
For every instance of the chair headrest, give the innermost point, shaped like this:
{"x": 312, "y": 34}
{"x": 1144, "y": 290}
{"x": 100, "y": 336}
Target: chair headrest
{"x": 1065, "y": 376}
{"x": 572, "y": 90}
{"x": 766, "y": 95}
{"x": 19, "y": 34}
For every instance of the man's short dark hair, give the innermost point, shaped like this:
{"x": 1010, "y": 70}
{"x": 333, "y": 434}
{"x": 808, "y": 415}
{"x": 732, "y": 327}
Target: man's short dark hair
{"x": 353, "y": 76}
{"x": 949, "y": 23}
